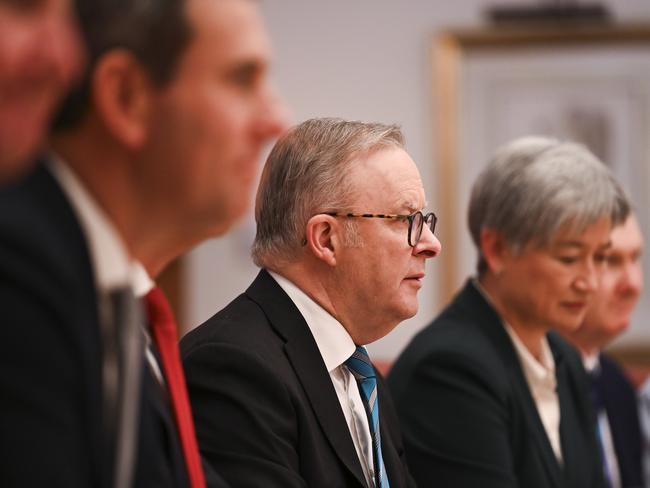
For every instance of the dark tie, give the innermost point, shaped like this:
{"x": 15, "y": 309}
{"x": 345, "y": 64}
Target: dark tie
{"x": 360, "y": 366}
{"x": 166, "y": 338}
{"x": 599, "y": 409}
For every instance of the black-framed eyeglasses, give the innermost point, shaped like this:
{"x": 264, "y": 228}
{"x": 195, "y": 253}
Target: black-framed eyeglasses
{"x": 416, "y": 222}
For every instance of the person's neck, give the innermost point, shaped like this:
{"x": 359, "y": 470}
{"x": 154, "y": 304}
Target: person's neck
{"x": 319, "y": 283}
{"x": 107, "y": 171}
{"x": 308, "y": 280}
{"x": 586, "y": 348}
{"x": 101, "y": 170}
{"x": 530, "y": 335}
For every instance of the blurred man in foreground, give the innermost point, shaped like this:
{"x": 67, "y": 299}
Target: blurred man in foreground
{"x": 282, "y": 389}
{"x": 609, "y": 315}
{"x": 40, "y": 54}
{"x": 156, "y": 151}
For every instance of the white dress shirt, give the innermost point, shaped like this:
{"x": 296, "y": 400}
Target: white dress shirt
{"x": 542, "y": 382}
{"x": 612, "y": 472}
{"x": 110, "y": 260}
{"x": 541, "y": 379}
{"x": 336, "y": 346}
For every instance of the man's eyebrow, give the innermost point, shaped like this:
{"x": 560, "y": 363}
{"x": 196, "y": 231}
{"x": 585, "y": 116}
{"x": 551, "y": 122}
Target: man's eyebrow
{"x": 579, "y": 244}
{"x": 411, "y": 206}
{"x": 569, "y": 244}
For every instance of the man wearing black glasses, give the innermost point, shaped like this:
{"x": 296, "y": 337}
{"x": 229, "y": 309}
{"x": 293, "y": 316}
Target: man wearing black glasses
{"x": 283, "y": 391}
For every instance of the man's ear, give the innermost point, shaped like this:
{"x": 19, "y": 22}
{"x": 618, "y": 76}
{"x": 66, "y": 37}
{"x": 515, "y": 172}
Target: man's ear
{"x": 323, "y": 238}
{"x": 122, "y": 93}
{"x": 495, "y": 250}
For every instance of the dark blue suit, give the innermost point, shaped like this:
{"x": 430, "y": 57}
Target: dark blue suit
{"x": 620, "y": 403}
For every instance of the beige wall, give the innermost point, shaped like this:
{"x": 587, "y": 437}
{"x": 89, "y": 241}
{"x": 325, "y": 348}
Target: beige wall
{"x": 357, "y": 59}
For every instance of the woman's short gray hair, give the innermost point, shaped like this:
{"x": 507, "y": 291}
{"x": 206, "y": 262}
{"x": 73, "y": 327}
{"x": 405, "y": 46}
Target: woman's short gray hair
{"x": 536, "y": 185}
{"x": 308, "y": 171}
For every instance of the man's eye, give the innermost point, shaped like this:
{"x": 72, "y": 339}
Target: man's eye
{"x": 613, "y": 260}
{"x": 23, "y": 5}
{"x": 243, "y": 79}
{"x": 567, "y": 259}
{"x": 245, "y": 76}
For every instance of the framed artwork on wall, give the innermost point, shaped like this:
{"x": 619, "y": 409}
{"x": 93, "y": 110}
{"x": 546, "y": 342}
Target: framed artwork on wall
{"x": 590, "y": 84}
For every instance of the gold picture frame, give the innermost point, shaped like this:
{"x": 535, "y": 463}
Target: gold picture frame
{"x": 456, "y": 55}
{"x": 450, "y": 50}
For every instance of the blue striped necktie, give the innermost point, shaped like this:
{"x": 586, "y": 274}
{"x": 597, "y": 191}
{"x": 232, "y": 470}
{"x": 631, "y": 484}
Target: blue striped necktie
{"x": 360, "y": 366}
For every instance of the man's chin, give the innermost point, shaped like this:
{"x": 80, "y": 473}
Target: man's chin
{"x": 14, "y": 164}
{"x": 409, "y": 311}
{"x": 622, "y": 326}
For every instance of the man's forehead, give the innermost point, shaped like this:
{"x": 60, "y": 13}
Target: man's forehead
{"x": 389, "y": 177}
{"x": 235, "y": 25}
{"x": 627, "y": 240}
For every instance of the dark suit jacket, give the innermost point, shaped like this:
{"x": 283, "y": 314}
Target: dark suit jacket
{"x": 467, "y": 414}
{"x": 266, "y": 412}
{"x": 51, "y": 420}
{"x": 620, "y": 401}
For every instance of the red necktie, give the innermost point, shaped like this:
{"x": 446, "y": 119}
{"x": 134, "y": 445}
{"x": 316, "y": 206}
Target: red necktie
{"x": 166, "y": 338}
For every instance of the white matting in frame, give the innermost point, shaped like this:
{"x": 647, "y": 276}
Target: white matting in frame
{"x": 597, "y": 94}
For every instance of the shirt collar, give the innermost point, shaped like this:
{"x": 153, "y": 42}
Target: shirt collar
{"x": 112, "y": 265}
{"x": 540, "y": 372}
{"x": 591, "y": 361}
{"x": 142, "y": 282}
{"x": 333, "y": 341}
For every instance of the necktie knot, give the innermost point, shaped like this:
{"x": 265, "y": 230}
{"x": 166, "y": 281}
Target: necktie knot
{"x": 159, "y": 312}
{"x": 359, "y": 364}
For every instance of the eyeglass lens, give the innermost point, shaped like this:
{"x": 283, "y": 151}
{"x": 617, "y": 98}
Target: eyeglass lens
{"x": 417, "y": 224}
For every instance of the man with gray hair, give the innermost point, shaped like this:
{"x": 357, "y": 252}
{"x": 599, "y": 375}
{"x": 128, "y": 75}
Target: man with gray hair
{"x": 488, "y": 394}
{"x": 282, "y": 389}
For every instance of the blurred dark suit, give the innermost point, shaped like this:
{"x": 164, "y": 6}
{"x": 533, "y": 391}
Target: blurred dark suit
{"x": 52, "y": 416}
{"x": 266, "y": 412}
{"x": 620, "y": 402}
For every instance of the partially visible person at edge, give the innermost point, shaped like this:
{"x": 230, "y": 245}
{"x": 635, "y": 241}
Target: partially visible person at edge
{"x": 614, "y": 397}
{"x": 154, "y": 152}
{"x": 40, "y": 56}
{"x": 488, "y": 394}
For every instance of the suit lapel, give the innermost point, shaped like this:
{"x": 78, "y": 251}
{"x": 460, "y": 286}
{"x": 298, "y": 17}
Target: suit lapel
{"x": 550, "y": 462}
{"x": 569, "y": 432}
{"x": 304, "y": 356}
{"x": 483, "y": 313}
{"x": 622, "y": 417}
{"x": 70, "y": 250}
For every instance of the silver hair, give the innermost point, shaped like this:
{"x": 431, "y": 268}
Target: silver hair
{"x": 308, "y": 171}
{"x": 534, "y": 186}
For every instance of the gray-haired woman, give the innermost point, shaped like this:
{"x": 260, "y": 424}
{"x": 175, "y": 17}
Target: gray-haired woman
{"x": 488, "y": 396}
